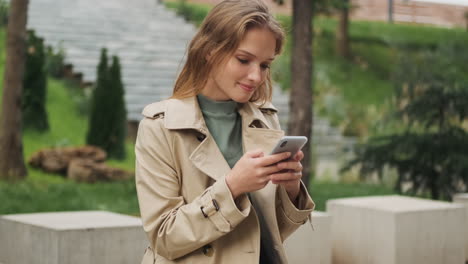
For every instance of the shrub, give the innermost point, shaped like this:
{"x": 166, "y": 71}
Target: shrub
{"x": 107, "y": 122}
{"x": 428, "y": 147}
{"x": 3, "y": 13}
{"x": 55, "y": 61}
{"x": 35, "y": 86}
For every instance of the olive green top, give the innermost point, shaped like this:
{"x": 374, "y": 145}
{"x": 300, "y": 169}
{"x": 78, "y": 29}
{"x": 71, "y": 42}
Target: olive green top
{"x": 225, "y": 125}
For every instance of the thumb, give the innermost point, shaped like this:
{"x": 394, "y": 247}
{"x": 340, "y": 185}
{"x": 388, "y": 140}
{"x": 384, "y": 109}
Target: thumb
{"x": 258, "y": 153}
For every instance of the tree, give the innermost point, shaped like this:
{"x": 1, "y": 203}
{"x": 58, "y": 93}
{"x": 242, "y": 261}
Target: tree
{"x": 107, "y": 122}
{"x": 12, "y": 165}
{"x": 342, "y": 31}
{"x": 35, "y": 86}
{"x": 300, "y": 101}
{"x": 117, "y": 145}
{"x": 429, "y": 151}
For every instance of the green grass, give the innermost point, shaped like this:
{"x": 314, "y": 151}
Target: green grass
{"x": 41, "y": 191}
{"x": 323, "y": 191}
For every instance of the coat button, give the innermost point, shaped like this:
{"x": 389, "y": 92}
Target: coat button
{"x": 201, "y": 137}
{"x": 208, "y": 250}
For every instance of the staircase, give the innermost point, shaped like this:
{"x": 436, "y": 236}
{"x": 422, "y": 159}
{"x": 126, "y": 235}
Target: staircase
{"x": 149, "y": 39}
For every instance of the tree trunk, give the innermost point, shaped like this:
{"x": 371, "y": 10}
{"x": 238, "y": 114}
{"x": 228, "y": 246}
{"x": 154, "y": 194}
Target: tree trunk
{"x": 300, "y": 104}
{"x": 12, "y": 165}
{"x": 342, "y": 33}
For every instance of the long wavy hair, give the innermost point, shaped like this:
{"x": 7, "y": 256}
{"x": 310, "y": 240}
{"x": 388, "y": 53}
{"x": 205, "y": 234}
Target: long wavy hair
{"x": 219, "y": 36}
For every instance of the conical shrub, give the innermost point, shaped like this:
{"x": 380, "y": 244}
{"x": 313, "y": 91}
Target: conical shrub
{"x": 108, "y": 115}
{"x": 34, "y": 95}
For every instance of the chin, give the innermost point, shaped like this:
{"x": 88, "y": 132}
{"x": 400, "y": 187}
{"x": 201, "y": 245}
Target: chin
{"x": 242, "y": 99}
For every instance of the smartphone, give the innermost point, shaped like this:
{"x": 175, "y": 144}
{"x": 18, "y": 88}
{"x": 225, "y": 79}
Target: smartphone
{"x": 289, "y": 144}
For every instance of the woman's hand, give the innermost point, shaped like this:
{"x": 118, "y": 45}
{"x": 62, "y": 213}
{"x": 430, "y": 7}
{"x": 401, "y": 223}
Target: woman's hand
{"x": 290, "y": 175}
{"x": 253, "y": 172}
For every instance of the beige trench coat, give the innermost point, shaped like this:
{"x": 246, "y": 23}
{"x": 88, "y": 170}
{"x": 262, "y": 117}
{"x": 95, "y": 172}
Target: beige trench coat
{"x": 186, "y": 207}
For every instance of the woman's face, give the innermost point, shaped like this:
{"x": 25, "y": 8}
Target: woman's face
{"x": 241, "y": 74}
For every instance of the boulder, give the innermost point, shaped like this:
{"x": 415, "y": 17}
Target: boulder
{"x": 57, "y": 160}
{"x": 84, "y": 170}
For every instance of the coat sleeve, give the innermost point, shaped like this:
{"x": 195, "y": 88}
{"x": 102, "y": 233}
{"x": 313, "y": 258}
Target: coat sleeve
{"x": 289, "y": 216}
{"x": 176, "y": 228}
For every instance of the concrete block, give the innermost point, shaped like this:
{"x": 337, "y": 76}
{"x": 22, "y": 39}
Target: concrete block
{"x": 71, "y": 238}
{"x": 396, "y": 230}
{"x": 462, "y": 198}
{"x": 308, "y": 245}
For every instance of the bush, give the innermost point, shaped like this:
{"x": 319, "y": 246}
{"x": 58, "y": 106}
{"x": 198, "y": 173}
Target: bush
{"x": 428, "y": 147}
{"x": 35, "y": 86}
{"x": 108, "y": 117}
{"x": 55, "y": 61}
{"x": 3, "y": 13}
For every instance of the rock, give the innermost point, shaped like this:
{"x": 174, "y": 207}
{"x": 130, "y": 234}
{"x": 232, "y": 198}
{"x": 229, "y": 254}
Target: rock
{"x": 57, "y": 160}
{"x": 83, "y": 170}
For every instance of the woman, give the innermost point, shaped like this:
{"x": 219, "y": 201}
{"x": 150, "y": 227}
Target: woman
{"x": 207, "y": 188}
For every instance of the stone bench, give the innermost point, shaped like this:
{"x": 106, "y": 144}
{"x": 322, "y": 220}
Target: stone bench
{"x": 311, "y": 246}
{"x": 396, "y": 230}
{"x": 91, "y": 237}
{"x": 462, "y": 198}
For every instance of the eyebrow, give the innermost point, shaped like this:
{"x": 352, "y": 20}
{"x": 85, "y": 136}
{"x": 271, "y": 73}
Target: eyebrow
{"x": 248, "y": 53}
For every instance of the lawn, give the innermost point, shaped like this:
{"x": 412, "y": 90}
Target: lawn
{"x": 46, "y": 192}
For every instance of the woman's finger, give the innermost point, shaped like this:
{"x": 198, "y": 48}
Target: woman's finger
{"x": 299, "y": 156}
{"x": 286, "y": 176}
{"x": 272, "y": 159}
{"x": 290, "y": 165}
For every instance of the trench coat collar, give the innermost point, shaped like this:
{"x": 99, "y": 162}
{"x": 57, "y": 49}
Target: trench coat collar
{"x": 186, "y": 114}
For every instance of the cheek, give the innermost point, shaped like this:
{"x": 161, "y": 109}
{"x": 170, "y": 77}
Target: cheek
{"x": 235, "y": 70}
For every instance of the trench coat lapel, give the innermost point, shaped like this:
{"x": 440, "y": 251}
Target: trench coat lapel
{"x": 186, "y": 114}
{"x": 208, "y": 158}
{"x": 257, "y": 138}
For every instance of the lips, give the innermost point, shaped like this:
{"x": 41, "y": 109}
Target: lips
{"x": 246, "y": 87}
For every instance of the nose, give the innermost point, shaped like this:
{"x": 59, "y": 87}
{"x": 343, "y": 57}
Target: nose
{"x": 255, "y": 74}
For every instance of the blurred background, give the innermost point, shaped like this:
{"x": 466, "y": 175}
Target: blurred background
{"x": 386, "y": 86}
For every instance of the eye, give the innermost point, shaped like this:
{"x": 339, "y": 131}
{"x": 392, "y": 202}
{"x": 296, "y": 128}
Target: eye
{"x": 265, "y": 66}
{"x": 242, "y": 61}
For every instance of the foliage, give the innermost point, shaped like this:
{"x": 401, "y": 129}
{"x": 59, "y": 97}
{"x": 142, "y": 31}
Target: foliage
{"x": 3, "y": 13}
{"x": 324, "y": 6}
{"x": 107, "y": 122}
{"x": 35, "y": 86}
{"x": 429, "y": 153}
{"x": 55, "y": 61}
{"x": 117, "y": 145}
{"x": 190, "y": 12}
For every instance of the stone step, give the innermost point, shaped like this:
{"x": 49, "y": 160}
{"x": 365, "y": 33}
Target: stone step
{"x": 92, "y": 237}
{"x": 396, "y": 230}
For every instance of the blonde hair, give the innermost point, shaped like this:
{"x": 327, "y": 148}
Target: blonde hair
{"x": 219, "y": 36}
